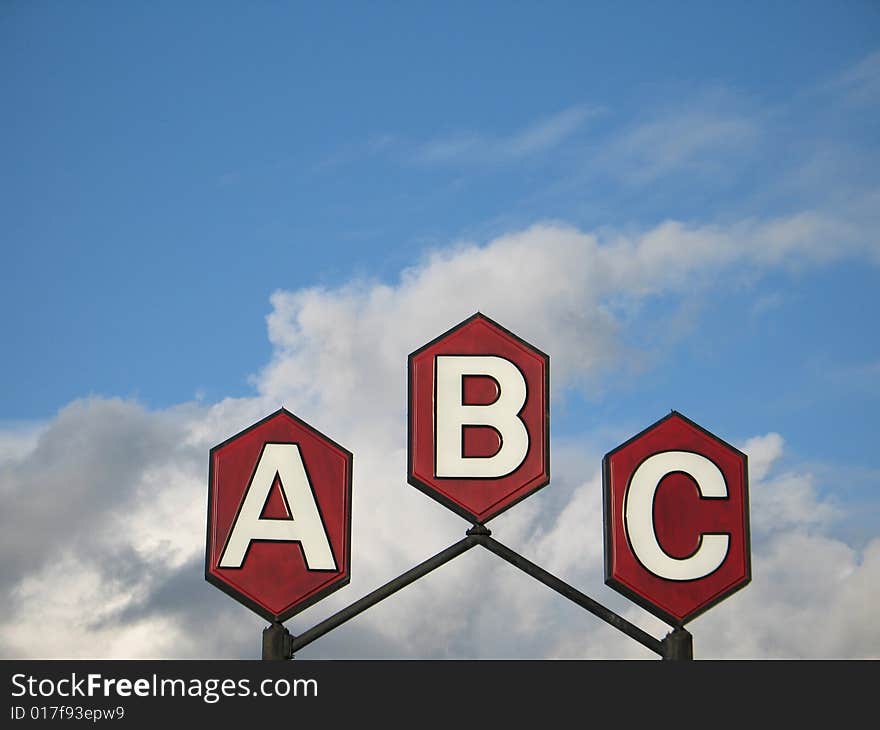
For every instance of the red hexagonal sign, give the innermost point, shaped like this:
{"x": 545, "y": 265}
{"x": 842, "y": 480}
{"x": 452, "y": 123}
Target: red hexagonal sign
{"x": 479, "y": 419}
{"x": 676, "y": 519}
{"x": 279, "y": 516}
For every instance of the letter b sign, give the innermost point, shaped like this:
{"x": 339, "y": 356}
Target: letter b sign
{"x": 478, "y": 419}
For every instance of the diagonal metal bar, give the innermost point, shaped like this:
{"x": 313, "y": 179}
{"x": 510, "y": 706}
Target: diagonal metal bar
{"x": 571, "y": 593}
{"x": 381, "y": 593}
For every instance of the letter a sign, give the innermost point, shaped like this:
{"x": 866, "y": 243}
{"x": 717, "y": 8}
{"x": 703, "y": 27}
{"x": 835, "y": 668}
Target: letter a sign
{"x": 279, "y": 516}
{"x": 478, "y": 419}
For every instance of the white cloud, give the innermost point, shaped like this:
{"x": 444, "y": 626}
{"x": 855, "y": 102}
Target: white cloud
{"x": 17, "y": 440}
{"x": 472, "y": 148}
{"x": 811, "y": 593}
{"x": 763, "y": 452}
{"x": 104, "y": 543}
{"x": 705, "y": 134}
{"x": 811, "y": 597}
{"x": 573, "y": 291}
{"x": 860, "y": 83}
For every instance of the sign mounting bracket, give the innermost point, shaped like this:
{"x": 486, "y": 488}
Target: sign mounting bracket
{"x": 278, "y": 643}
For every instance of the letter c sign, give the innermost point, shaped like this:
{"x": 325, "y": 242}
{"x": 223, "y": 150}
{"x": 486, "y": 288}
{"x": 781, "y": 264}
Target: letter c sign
{"x": 676, "y": 519}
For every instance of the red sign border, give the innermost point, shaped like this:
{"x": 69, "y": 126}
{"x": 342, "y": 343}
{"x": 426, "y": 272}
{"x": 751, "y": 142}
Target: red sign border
{"x": 235, "y": 593}
{"x": 608, "y": 528}
{"x": 427, "y": 489}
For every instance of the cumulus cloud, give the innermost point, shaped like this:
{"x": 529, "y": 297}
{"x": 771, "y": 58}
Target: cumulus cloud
{"x": 103, "y": 547}
{"x": 575, "y": 290}
{"x": 810, "y": 592}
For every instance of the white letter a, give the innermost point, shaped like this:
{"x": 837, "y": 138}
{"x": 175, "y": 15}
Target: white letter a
{"x": 305, "y": 527}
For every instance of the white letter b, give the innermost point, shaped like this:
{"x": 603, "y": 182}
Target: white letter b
{"x": 451, "y": 415}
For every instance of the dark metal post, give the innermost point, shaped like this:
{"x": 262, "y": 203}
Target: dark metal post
{"x": 678, "y": 646}
{"x": 277, "y": 642}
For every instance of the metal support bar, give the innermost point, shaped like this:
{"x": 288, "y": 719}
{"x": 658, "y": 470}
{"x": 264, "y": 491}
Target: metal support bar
{"x": 381, "y": 593}
{"x": 678, "y": 645}
{"x": 572, "y": 594}
{"x": 277, "y": 642}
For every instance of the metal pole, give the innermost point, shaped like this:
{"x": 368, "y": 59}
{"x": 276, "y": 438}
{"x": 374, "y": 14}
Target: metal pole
{"x": 678, "y": 645}
{"x": 381, "y": 593}
{"x": 572, "y": 594}
{"x": 276, "y": 642}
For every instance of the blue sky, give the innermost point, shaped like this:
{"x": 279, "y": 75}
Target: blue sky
{"x": 168, "y": 168}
